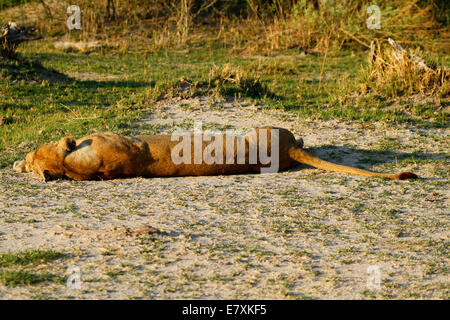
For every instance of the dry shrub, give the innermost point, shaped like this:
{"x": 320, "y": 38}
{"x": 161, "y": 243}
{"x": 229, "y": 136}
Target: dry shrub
{"x": 226, "y": 74}
{"x": 235, "y": 81}
{"x": 394, "y": 73}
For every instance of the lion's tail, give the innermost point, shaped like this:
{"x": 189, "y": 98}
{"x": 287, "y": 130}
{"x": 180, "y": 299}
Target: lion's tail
{"x": 302, "y": 156}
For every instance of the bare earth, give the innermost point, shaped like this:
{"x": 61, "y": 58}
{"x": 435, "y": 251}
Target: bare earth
{"x": 303, "y": 233}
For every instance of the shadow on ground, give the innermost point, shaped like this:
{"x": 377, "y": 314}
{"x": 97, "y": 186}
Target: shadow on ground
{"x": 25, "y": 69}
{"x": 28, "y": 69}
{"x": 363, "y": 158}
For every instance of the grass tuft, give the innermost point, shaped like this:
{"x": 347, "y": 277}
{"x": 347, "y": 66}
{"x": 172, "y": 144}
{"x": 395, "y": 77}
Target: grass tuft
{"x": 23, "y": 278}
{"x": 24, "y": 258}
{"x": 234, "y": 81}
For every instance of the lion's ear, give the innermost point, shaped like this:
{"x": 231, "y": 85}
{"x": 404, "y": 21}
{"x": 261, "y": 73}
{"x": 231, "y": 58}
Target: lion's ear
{"x": 67, "y": 143}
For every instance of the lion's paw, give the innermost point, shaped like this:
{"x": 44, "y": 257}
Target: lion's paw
{"x": 19, "y": 166}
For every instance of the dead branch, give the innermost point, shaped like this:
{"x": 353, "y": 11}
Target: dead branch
{"x": 11, "y": 35}
{"x": 355, "y": 38}
{"x": 400, "y": 51}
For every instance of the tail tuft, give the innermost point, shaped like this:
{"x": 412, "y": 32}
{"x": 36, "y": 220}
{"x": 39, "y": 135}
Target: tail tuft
{"x": 407, "y": 175}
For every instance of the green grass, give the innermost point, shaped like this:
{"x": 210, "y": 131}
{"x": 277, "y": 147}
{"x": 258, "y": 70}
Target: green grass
{"x": 126, "y": 88}
{"x": 12, "y": 277}
{"x": 24, "y": 258}
{"x": 23, "y": 278}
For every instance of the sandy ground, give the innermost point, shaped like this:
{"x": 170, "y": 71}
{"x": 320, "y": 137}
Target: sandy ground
{"x": 303, "y": 233}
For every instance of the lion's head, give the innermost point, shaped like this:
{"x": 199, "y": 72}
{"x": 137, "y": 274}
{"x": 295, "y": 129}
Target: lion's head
{"x": 47, "y": 160}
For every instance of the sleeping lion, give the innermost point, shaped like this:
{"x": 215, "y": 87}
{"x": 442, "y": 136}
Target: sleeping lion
{"x": 109, "y": 155}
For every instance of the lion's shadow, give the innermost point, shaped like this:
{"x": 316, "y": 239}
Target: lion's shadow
{"x": 364, "y": 158}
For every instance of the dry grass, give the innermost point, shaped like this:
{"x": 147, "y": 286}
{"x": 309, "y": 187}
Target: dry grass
{"x": 229, "y": 80}
{"x": 333, "y": 25}
{"x": 228, "y": 74}
{"x": 395, "y": 73}
{"x": 289, "y": 24}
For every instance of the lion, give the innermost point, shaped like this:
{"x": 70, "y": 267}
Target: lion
{"x": 109, "y": 155}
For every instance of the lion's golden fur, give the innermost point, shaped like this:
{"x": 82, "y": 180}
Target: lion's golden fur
{"x": 109, "y": 155}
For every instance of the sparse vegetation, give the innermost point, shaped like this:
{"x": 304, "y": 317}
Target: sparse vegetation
{"x": 24, "y": 278}
{"x": 27, "y": 261}
{"x": 28, "y": 257}
{"x": 161, "y": 65}
{"x": 245, "y": 26}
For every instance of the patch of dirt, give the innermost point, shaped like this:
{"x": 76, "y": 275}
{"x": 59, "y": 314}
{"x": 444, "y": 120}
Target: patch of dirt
{"x": 138, "y": 232}
{"x": 80, "y": 46}
{"x": 210, "y": 110}
{"x": 302, "y": 233}
{"x": 92, "y": 76}
{"x": 405, "y": 104}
